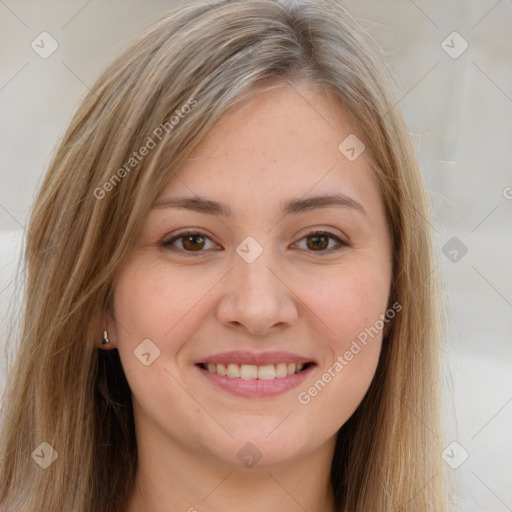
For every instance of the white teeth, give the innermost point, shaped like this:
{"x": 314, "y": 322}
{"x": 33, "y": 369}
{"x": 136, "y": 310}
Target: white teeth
{"x": 267, "y": 372}
{"x": 253, "y": 372}
{"x": 249, "y": 371}
{"x": 281, "y": 370}
{"x": 233, "y": 371}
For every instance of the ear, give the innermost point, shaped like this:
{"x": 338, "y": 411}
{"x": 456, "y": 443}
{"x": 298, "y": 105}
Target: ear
{"x": 387, "y": 329}
{"x": 388, "y": 325}
{"x": 101, "y": 322}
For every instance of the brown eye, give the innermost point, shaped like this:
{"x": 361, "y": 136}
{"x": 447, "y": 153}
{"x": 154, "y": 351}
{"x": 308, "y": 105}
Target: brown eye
{"x": 193, "y": 242}
{"x": 318, "y": 241}
{"x": 188, "y": 242}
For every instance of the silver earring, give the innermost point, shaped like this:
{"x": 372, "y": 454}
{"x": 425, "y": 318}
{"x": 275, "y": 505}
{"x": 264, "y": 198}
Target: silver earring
{"x": 105, "y": 340}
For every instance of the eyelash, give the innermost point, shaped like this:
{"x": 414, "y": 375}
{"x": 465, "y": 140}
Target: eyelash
{"x": 182, "y": 234}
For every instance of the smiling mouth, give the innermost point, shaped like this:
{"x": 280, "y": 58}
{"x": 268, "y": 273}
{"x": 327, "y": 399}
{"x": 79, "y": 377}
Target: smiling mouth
{"x": 254, "y": 372}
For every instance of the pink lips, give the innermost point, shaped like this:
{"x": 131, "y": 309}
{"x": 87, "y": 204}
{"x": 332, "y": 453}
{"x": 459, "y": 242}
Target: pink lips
{"x": 256, "y": 388}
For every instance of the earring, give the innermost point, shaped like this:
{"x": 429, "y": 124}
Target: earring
{"x": 105, "y": 340}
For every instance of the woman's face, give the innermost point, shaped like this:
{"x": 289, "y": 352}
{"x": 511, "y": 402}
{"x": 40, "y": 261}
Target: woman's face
{"x": 251, "y": 290}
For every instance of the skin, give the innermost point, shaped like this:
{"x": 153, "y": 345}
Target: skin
{"x": 283, "y": 144}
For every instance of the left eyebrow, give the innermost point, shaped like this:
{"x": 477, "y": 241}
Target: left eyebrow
{"x": 294, "y": 206}
{"x": 288, "y": 207}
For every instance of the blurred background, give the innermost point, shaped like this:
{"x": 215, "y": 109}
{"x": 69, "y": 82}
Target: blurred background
{"x": 454, "y": 63}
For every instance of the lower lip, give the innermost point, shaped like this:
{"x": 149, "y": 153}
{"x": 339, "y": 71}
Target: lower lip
{"x": 257, "y": 388}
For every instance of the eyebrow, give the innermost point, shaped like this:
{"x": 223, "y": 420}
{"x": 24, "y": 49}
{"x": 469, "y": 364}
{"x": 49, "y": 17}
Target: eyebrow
{"x": 288, "y": 207}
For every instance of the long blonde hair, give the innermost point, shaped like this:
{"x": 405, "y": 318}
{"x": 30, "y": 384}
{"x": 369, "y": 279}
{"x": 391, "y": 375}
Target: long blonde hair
{"x": 210, "y": 56}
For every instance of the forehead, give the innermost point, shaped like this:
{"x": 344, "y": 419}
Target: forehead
{"x": 282, "y": 142}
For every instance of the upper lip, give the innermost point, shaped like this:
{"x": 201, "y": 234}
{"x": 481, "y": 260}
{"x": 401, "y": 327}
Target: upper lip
{"x": 254, "y": 358}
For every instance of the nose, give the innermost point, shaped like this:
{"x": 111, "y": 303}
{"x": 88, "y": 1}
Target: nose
{"x": 257, "y": 297}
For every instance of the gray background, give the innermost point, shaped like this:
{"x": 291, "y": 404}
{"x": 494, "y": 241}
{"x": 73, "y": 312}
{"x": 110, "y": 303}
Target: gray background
{"x": 459, "y": 110}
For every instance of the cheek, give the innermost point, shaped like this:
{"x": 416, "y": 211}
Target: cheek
{"x": 350, "y": 308}
{"x": 150, "y": 301}
{"x": 349, "y": 303}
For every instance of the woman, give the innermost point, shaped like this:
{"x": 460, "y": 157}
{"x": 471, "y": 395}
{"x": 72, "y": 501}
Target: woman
{"x": 229, "y": 298}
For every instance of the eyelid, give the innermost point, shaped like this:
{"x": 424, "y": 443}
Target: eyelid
{"x": 181, "y": 233}
{"x": 342, "y": 244}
